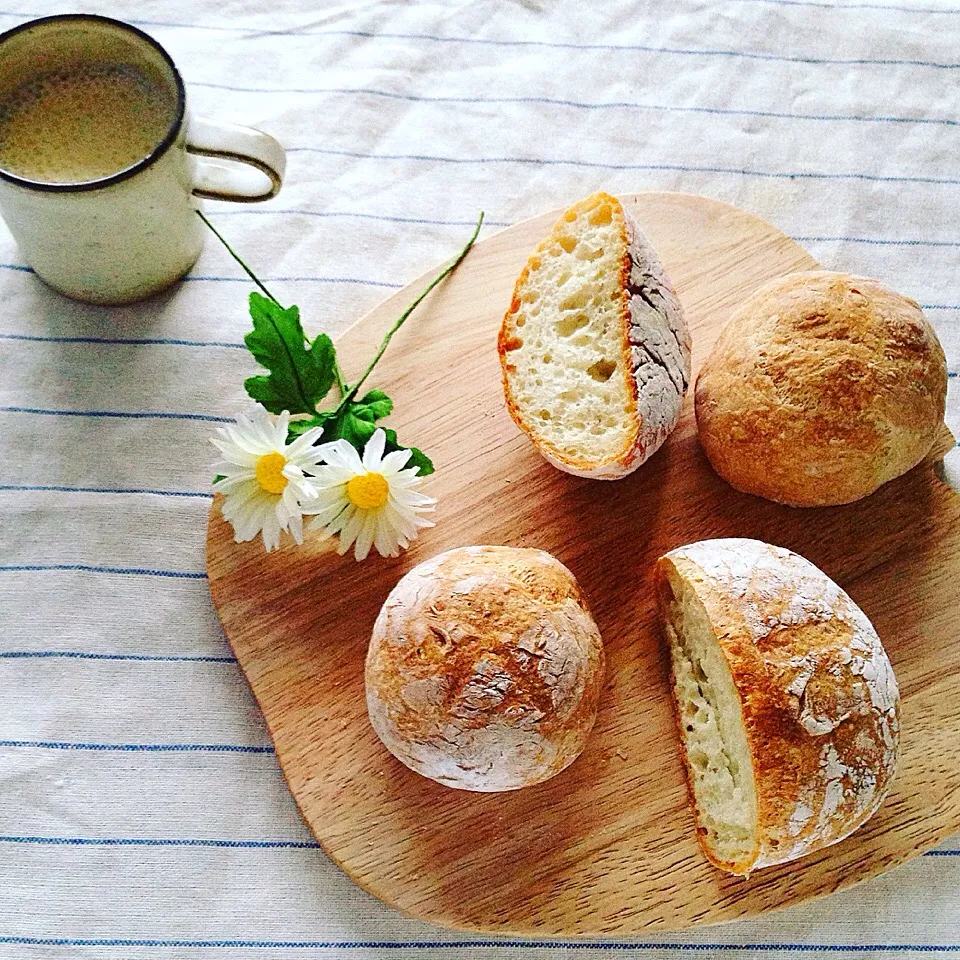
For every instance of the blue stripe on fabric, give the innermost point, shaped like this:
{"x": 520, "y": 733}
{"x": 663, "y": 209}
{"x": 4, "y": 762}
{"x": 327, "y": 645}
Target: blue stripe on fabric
{"x": 359, "y": 281}
{"x": 81, "y": 655}
{"x": 145, "y": 23}
{"x": 137, "y": 415}
{"x": 579, "y": 104}
{"x": 94, "y": 568}
{"x": 593, "y": 164}
{"x": 940, "y": 306}
{"x": 880, "y": 241}
{"x": 631, "y": 47}
{"x": 163, "y": 341}
{"x": 137, "y": 747}
{"x": 190, "y": 842}
{"x": 162, "y": 842}
{"x": 248, "y": 211}
{"x": 349, "y": 214}
{"x": 855, "y": 6}
{"x": 127, "y": 341}
{"x": 635, "y": 47}
{"x": 450, "y": 945}
{"x": 119, "y": 490}
{"x": 373, "y": 35}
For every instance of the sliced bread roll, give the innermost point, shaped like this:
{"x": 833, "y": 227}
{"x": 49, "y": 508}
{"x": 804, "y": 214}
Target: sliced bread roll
{"x": 595, "y": 349}
{"x": 788, "y": 708}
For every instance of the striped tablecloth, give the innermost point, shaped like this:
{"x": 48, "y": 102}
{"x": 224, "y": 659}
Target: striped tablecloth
{"x": 142, "y": 813}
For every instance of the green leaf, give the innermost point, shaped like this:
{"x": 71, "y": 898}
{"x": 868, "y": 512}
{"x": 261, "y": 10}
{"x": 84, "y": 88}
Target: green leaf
{"x": 300, "y": 376}
{"x": 299, "y": 427}
{"x": 356, "y": 427}
{"x": 374, "y": 406}
{"x": 417, "y": 459}
{"x": 356, "y": 424}
{"x": 219, "y": 477}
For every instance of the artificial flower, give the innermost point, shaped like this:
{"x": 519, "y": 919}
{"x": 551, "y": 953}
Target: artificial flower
{"x": 262, "y": 476}
{"x": 371, "y": 501}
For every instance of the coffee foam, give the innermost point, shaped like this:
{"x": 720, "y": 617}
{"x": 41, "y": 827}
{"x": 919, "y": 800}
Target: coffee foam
{"x": 85, "y": 123}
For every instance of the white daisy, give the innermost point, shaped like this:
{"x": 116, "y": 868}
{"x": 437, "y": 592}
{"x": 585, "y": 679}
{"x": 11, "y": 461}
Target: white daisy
{"x": 262, "y": 476}
{"x": 369, "y": 502}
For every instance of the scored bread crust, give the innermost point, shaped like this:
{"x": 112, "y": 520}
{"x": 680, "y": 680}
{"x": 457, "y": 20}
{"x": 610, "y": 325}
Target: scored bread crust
{"x": 819, "y": 701}
{"x": 485, "y": 668}
{"x": 654, "y": 353}
{"x": 821, "y": 387}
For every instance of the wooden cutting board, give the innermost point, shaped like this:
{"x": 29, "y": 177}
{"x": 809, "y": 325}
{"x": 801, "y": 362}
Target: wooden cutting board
{"x": 608, "y": 845}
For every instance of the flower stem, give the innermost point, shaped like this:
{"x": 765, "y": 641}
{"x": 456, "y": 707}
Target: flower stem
{"x": 338, "y": 373}
{"x": 237, "y": 257}
{"x": 342, "y": 385}
{"x": 347, "y": 397}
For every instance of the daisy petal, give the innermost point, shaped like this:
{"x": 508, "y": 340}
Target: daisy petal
{"x": 271, "y": 534}
{"x": 373, "y": 451}
{"x": 290, "y": 499}
{"x": 233, "y": 436}
{"x": 295, "y": 526}
{"x": 232, "y": 482}
{"x": 325, "y": 518}
{"x": 350, "y": 531}
{"x": 341, "y": 519}
{"x": 385, "y": 540}
{"x": 394, "y": 462}
{"x": 233, "y": 454}
{"x": 365, "y": 536}
{"x": 340, "y": 453}
{"x": 324, "y": 499}
{"x": 408, "y": 498}
{"x": 302, "y": 446}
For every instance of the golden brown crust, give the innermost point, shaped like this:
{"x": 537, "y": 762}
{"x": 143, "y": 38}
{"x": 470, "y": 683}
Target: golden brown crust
{"x": 485, "y": 668}
{"x": 821, "y": 388}
{"x": 819, "y": 699}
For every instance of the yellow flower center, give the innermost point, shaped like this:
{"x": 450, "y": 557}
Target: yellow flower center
{"x": 269, "y": 471}
{"x": 368, "y": 491}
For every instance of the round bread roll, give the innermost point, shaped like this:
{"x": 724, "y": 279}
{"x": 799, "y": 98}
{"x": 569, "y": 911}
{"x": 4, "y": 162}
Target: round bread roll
{"x": 821, "y": 387}
{"x": 485, "y": 668}
{"x": 787, "y": 705}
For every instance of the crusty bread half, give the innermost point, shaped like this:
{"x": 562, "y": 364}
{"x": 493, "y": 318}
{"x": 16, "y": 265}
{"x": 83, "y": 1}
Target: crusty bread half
{"x": 485, "y": 668}
{"x": 787, "y": 705}
{"x": 595, "y": 349}
{"x": 821, "y": 388}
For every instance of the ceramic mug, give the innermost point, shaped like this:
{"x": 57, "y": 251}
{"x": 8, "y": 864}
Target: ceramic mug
{"x": 126, "y": 236}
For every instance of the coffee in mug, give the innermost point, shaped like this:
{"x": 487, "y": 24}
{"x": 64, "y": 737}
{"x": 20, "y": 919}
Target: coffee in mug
{"x": 101, "y": 165}
{"x": 82, "y": 123}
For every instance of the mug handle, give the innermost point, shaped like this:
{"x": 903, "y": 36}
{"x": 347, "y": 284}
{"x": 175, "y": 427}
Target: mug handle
{"x": 234, "y": 150}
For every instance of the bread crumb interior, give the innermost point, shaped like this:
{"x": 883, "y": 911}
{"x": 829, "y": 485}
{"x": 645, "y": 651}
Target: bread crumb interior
{"x": 566, "y": 339}
{"x": 711, "y": 724}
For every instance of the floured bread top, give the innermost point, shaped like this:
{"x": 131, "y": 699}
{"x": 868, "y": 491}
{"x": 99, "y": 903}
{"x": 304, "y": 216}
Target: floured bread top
{"x": 484, "y": 668}
{"x": 819, "y": 697}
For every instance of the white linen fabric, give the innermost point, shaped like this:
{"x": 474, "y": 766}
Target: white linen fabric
{"x": 142, "y": 812}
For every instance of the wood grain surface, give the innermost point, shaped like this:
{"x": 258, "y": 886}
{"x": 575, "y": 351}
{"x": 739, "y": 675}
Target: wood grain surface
{"x": 608, "y": 845}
